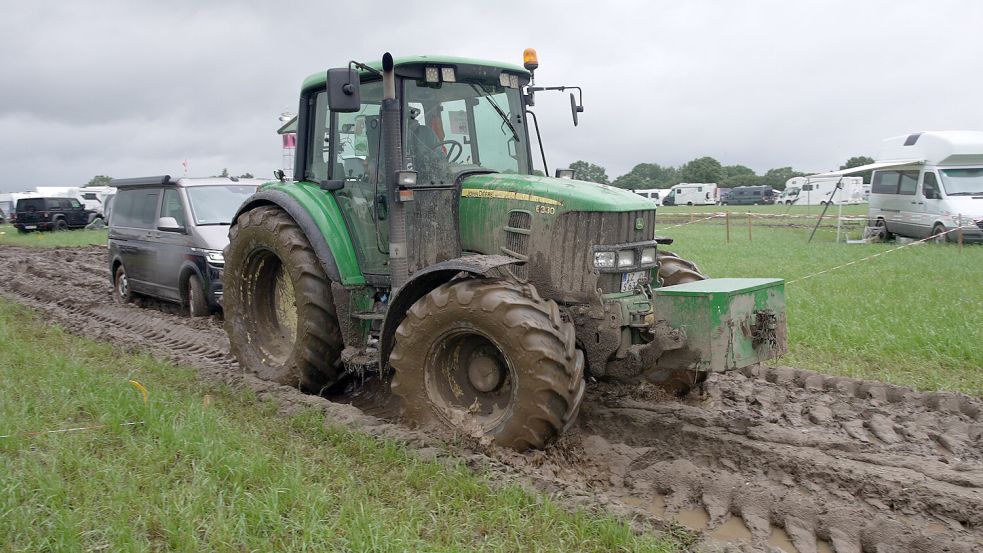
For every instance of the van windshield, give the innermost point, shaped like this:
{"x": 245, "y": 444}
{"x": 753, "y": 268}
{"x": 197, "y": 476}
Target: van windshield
{"x": 963, "y": 182}
{"x": 216, "y": 205}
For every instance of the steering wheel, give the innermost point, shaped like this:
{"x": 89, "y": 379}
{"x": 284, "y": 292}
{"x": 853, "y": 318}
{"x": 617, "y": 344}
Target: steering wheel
{"x": 453, "y": 154}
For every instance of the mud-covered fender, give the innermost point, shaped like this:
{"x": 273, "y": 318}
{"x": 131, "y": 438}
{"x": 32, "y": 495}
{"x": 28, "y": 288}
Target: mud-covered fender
{"x": 189, "y": 267}
{"x": 304, "y": 220}
{"x": 423, "y": 282}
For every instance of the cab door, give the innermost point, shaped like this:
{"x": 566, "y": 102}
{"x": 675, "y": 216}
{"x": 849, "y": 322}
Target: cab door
{"x": 929, "y": 204}
{"x": 355, "y": 155}
{"x": 172, "y": 246}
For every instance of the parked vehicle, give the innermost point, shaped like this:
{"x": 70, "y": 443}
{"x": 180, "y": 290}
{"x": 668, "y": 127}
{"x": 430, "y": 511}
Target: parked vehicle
{"x": 938, "y": 188}
{"x": 166, "y": 238}
{"x": 686, "y": 193}
{"x": 51, "y": 214}
{"x": 818, "y": 190}
{"x": 750, "y": 195}
{"x": 654, "y": 194}
{"x": 926, "y": 184}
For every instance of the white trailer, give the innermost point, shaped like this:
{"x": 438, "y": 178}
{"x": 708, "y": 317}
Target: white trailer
{"x": 654, "y": 194}
{"x": 817, "y": 190}
{"x": 692, "y": 193}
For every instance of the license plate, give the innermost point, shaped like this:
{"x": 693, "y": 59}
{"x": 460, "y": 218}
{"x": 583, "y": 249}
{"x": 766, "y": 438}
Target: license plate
{"x": 630, "y": 281}
{"x": 30, "y": 227}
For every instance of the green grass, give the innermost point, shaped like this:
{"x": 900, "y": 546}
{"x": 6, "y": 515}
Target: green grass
{"x": 232, "y": 475}
{"x": 47, "y": 239}
{"x": 811, "y": 210}
{"x": 910, "y": 317}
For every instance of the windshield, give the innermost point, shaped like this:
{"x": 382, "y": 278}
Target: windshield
{"x": 453, "y": 127}
{"x": 963, "y": 182}
{"x": 216, "y": 205}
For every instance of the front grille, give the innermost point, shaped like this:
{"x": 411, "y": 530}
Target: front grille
{"x": 517, "y": 241}
{"x": 570, "y": 246}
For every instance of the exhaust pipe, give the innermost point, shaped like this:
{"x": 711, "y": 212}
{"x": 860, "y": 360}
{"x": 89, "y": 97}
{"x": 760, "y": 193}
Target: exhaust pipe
{"x": 393, "y": 159}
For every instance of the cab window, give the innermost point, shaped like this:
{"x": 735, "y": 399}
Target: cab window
{"x": 171, "y": 206}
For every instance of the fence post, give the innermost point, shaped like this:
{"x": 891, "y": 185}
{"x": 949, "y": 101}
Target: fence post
{"x": 960, "y": 221}
{"x": 690, "y": 214}
{"x": 727, "y": 217}
{"x": 749, "y": 226}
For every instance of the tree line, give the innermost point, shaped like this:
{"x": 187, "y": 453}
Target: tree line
{"x": 701, "y": 169}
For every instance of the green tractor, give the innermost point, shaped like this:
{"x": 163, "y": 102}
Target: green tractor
{"x": 418, "y": 245}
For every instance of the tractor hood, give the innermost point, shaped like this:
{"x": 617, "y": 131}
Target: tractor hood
{"x": 563, "y": 194}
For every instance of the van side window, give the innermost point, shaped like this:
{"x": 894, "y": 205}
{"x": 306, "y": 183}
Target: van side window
{"x": 136, "y": 208}
{"x": 909, "y": 182}
{"x": 806, "y": 187}
{"x": 170, "y": 206}
{"x": 885, "y": 182}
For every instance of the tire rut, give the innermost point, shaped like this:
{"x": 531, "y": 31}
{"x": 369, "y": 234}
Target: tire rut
{"x": 831, "y": 463}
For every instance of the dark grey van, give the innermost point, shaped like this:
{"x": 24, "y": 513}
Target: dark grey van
{"x": 166, "y": 237}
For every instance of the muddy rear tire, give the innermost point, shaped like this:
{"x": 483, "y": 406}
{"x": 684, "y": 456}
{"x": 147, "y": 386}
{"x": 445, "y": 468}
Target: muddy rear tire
{"x": 491, "y": 359}
{"x": 279, "y": 311}
{"x": 676, "y": 270}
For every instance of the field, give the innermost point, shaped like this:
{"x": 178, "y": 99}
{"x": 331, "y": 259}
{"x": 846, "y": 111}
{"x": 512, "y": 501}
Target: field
{"x": 73, "y": 238}
{"x": 210, "y": 468}
{"x": 770, "y": 456}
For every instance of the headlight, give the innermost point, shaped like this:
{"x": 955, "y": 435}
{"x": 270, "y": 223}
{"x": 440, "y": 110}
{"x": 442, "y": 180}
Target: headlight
{"x": 626, "y": 258}
{"x": 215, "y": 257}
{"x": 648, "y": 255}
{"x": 604, "y": 259}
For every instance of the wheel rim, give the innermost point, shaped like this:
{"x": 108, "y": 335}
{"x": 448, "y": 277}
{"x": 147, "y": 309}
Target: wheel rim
{"x": 467, "y": 374}
{"x": 122, "y": 286}
{"x": 272, "y": 316}
{"x": 939, "y": 234}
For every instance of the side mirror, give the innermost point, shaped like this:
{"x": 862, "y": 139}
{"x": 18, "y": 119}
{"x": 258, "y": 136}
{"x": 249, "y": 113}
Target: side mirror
{"x": 343, "y": 90}
{"x": 169, "y": 224}
{"x": 575, "y": 109}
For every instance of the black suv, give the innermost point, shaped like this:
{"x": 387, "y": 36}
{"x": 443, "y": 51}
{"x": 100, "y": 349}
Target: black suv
{"x": 51, "y": 214}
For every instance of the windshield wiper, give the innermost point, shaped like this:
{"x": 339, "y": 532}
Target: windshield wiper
{"x": 515, "y": 134}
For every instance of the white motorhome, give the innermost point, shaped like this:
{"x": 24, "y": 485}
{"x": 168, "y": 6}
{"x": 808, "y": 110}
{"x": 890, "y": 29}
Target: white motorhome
{"x": 817, "y": 190}
{"x": 654, "y": 194}
{"x": 928, "y": 183}
{"x": 692, "y": 193}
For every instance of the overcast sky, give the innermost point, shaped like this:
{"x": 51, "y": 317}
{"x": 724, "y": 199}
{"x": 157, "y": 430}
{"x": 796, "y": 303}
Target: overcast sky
{"x": 129, "y": 88}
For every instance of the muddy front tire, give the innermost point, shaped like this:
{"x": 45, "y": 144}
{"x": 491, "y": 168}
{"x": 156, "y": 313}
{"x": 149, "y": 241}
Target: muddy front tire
{"x": 279, "y": 311}
{"x": 197, "y": 304}
{"x": 491, "y": 359}
{"x": 676, "y": 270}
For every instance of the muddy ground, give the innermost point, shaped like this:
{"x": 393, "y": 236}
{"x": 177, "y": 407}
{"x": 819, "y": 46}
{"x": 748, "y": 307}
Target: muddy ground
{"x": 771, "y": 458}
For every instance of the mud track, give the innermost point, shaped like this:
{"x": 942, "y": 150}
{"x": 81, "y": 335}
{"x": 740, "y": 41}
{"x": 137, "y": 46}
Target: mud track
{"x": 771, "y": 457}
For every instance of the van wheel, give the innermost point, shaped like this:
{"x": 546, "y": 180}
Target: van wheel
{"x": 689, "y": 203}
{"x": 121, "y": 290}
{"x": 882, "y": 232}
{"x": 197, "y": 305}
{"x": 939, "y": 235}
{"x": 61, "y": 225}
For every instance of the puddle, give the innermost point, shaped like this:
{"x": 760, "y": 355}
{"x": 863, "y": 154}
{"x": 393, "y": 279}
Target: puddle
{"x": 779, "y": 539}
{"x": 694, "y": 519}
{"x": 732, "y": 530}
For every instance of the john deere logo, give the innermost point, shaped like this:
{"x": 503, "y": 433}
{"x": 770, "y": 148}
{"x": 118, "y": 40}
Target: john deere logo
{"x": 639, "y": 223}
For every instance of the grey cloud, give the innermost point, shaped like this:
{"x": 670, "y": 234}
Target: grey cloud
{"x": 131, "y": 88}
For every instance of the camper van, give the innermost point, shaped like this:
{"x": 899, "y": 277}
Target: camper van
{"x": 654, "y": 194}
{"x": 817, "y": 190}
{"x": 749, "y": 195}
{"x": 927, "y": 183}
{"x": 692, "y": 193}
